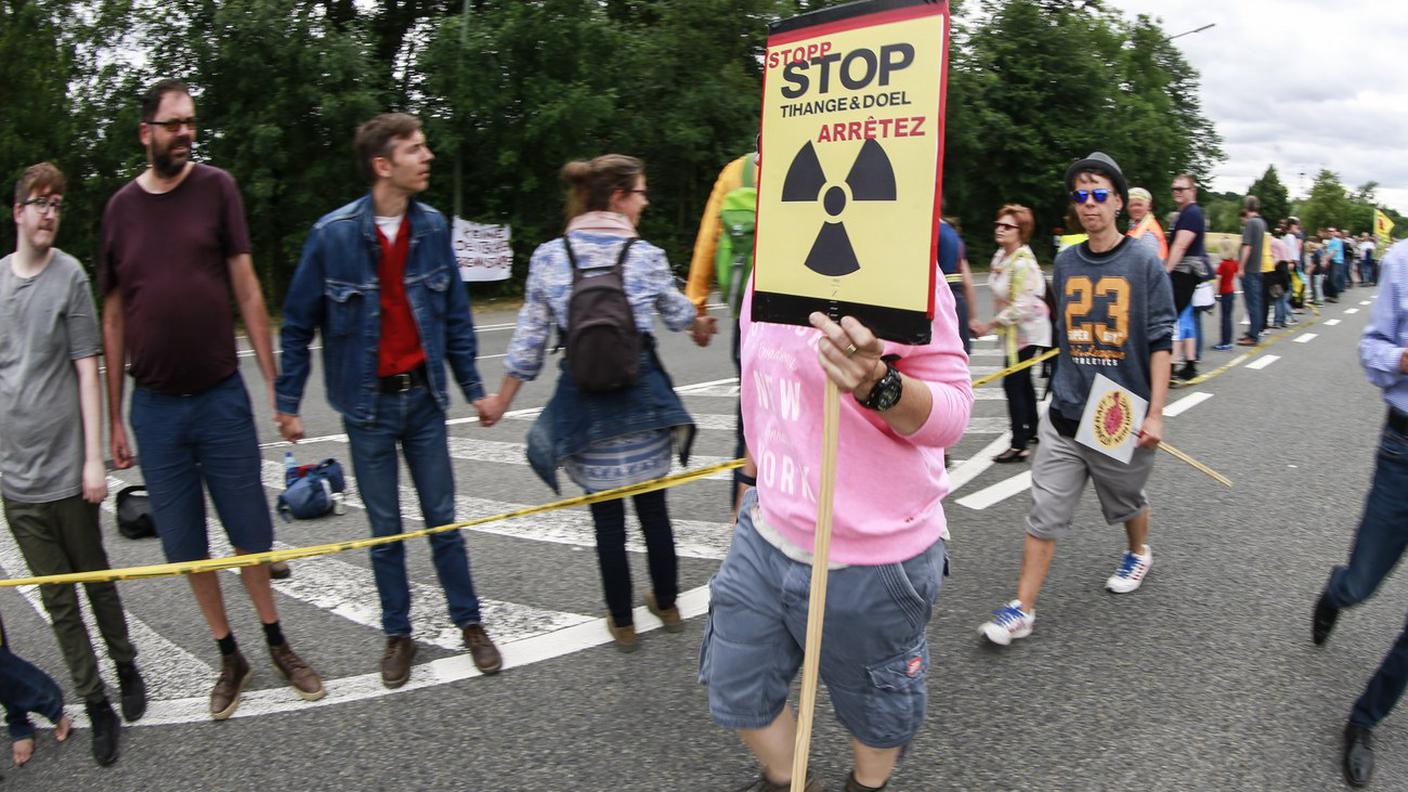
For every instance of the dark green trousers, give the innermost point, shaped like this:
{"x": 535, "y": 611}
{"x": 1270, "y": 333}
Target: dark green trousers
{"x": 61, "y": 537}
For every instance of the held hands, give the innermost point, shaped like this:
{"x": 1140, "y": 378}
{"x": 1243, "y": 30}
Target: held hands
{"x": 1152, "y": 433}
{"x": 704, "y": 329}
{"x": 95, "y": 481}
{"x": 491, "y": 410}
{"x": 979, "y": 328}
{"x": 849, "y": 354}
{"x": 290, "y": 426}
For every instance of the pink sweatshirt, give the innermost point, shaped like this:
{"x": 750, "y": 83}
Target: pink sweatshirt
{"x": 889, "y": 488}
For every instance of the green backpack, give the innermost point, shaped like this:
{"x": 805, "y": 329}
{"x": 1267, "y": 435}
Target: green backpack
{"x": 733, "y": 260}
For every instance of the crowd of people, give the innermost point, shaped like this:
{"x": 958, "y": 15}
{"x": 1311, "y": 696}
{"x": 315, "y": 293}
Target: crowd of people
{"x": 377, "y": 283}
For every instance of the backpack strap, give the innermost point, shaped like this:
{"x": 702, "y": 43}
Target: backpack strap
{"x": 571, "y": 260}
{"x": 621, "y": 260}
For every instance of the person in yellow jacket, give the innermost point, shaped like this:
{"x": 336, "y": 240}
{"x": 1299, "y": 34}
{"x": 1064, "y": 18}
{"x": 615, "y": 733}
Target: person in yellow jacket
{"x": 703, "y": 271}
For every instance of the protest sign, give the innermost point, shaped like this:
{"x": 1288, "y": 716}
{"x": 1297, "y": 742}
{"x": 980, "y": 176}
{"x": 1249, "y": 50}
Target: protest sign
{"x": 482, "y": 251}
{"x": 852, "y": 156}
{"x": 1112, "y": 419}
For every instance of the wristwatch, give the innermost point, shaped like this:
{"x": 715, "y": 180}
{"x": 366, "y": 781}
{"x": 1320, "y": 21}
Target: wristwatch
{"x": 886, "y": 393}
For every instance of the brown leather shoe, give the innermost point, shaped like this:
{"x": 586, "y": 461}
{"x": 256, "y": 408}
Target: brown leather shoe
{"x": 482, "y": 650}
{"x": 304, "y": 680}
{"x": 396, "y": 662}
{"x": 670, "y": 616}
{"x": 225, "y": 696}
{"x": 624, "y": 637}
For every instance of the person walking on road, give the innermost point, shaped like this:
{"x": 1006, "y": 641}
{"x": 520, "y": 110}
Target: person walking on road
{"x": 1116, "y": 309}
{"x": 51, "y": 452}
{"x": 1022, "y": 320}
{"x": 1381, "y": 538}
{"x": 175, "y": 256}
{"x": 378, "y": 280}
{"x": 608, "y": 434}
{"x": 907, "y": 404}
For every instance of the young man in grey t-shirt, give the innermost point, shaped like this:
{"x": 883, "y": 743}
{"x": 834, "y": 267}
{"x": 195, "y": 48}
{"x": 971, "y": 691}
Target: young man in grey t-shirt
{"x": 1115, "y": 318}
{"x": 51, "y": 453}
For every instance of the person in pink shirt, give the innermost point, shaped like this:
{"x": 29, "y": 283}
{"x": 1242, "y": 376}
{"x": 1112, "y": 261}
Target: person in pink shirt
{"x": 901, "y": 407}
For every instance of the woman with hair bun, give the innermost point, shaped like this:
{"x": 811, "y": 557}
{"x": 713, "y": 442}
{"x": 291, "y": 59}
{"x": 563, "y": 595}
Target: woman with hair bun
{"x": 607, "y": 438}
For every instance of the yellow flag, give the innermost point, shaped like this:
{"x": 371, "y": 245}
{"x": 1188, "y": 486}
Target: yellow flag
{"x": 1382, "y": 227}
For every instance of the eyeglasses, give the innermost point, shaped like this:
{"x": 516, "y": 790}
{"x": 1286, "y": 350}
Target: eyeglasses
{"x": 45, "y": 204}
{"x": 1008, "y": 226}
{"x": 644, "y": 193}
{"x": 1181, "y": 189}
{"x": 1100, "y": 194}
{"x": 174, "y": 125}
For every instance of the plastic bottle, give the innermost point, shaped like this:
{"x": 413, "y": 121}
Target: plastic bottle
{"x": 289, "y": 465}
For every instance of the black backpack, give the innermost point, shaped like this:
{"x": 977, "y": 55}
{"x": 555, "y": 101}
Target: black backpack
{"x": 134, "y": 513}
{"x": 603, "y": 343}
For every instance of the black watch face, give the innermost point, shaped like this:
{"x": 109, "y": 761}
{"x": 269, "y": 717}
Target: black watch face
{"x": 888, "y": 391}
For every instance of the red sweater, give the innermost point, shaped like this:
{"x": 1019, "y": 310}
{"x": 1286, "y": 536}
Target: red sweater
{"x": 1227, "y": 276}
{"x": 400, "y": 349}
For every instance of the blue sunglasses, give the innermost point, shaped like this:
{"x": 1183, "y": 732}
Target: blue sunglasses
{"x": 1100, "y": 194}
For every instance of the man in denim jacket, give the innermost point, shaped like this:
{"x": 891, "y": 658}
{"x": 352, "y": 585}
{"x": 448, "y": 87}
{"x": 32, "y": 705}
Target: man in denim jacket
{"x": 378, "y": 279}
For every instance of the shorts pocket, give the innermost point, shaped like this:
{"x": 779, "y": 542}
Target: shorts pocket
{"x": 898, "y": 697}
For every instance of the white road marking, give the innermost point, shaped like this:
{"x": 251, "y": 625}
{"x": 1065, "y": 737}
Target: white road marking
{"x": 1366, "y": 302}
{"x": 1305, "y": 338}
{"x": 987, "y": 353}
{"x": 502, "y": 453}
{"x": 516, "y": 654}
{"x": 998, "y": 492}
{"x": 1263, "y": 361}
{"x": 1351, "y": 310}
{"x": 1331, "y": 322}
{"x": 1186, "y": 403}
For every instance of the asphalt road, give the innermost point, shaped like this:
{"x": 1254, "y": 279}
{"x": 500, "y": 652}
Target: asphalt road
{"x": 1205, "y": 679}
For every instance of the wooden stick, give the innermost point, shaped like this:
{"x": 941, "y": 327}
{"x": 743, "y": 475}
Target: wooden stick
{"x": 1179, "y": 455}
{"x": 816, "y": 604}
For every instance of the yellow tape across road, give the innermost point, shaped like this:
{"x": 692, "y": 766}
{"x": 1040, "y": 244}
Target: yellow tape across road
{"x": 294, "y": 553}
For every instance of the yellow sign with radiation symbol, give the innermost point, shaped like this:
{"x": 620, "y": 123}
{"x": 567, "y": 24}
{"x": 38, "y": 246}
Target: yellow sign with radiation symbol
{"x": 852, "y": 155}
{"x": 1383, "y": 227}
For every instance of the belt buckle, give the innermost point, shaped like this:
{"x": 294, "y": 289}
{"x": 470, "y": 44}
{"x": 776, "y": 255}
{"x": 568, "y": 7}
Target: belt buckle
{"x": 404, "y": 381}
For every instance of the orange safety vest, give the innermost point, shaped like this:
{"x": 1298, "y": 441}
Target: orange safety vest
{"x": 1147, "y": 224}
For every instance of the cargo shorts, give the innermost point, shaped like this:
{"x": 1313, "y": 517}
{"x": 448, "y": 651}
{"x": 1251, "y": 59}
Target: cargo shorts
{"x": 874, "y": 654}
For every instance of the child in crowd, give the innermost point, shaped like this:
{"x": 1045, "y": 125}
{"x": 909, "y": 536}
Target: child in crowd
{"x": 1227, "y": 290}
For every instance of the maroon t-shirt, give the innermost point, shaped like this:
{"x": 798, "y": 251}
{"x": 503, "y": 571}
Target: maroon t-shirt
{"x": 168, "y": 254}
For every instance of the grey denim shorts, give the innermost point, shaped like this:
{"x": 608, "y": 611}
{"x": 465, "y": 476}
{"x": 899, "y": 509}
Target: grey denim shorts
{"x": 874, "y": 656}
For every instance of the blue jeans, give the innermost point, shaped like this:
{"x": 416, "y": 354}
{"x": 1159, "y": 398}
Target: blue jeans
{"x": 414, "y": 420}
{"x": 25, "y": 689}
{"x": 1378, "y": 545}
{"x": 1229, "y": 309}
{"x": 202, "y": 437}
{"x": 1282, "y": 307}
{"x": 1256, "y": 312}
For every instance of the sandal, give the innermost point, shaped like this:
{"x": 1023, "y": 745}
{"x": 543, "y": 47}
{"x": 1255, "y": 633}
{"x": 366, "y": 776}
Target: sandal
{"x": 1012, "y": 455}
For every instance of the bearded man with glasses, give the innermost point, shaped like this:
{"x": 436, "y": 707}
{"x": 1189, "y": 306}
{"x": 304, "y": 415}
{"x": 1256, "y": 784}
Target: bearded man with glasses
{"x": 175, "y": 253}
{"x": 1114, "y": 309}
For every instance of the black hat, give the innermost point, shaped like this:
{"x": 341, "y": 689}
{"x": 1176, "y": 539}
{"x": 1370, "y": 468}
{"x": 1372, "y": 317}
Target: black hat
{"x": 1100, "y": 162}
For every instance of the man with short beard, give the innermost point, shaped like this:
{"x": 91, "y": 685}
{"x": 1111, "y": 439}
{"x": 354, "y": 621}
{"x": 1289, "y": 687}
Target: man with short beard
{"x": 175, "y": 251}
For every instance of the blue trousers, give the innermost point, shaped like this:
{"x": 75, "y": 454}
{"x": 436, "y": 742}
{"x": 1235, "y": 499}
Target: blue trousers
{"x": 414, "y": 421}
{"x": 1229, "y": 309}
{"x": 1256, "y": 310}
{"x": 1378, "y": 546}
{"x": 25, "y": 689}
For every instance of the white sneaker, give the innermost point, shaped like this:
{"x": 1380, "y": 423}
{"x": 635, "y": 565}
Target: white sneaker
{"x": 1133, "y": 568}
{"x": 1008, "y": 623}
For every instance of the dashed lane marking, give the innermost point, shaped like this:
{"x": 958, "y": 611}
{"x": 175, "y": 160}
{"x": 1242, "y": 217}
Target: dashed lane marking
{"x": 998, "y": 492}
{"x": 1331, "y": 322}
{"x": 1262, "y": 362}
{"x": 1306, "y": 338}
{"x": 1186, "y": 403}
{"x": 1351, "y": 310}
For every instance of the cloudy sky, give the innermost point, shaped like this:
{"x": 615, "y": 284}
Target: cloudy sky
{"x": 1301, "y": 84}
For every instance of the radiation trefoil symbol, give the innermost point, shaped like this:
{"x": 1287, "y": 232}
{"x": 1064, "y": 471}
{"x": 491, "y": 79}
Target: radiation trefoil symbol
{"x": 872, "y": 178}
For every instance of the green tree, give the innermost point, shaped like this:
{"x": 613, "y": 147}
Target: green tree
{"x": 1275, "y": 199}
{"x": 1327, "y": 206}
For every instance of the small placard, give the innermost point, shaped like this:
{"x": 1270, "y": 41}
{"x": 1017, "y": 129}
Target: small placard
{"x": 1112, "y": 420}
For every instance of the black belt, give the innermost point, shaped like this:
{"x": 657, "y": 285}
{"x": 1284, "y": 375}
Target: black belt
{"x": 400, "y": 383}
{"x": 1398, "y": 420}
